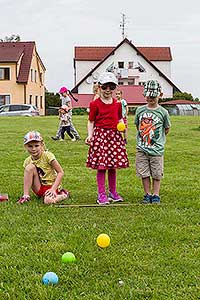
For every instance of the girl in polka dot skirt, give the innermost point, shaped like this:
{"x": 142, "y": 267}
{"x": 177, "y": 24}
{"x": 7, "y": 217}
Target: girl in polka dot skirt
{"x": 107, "y": 149}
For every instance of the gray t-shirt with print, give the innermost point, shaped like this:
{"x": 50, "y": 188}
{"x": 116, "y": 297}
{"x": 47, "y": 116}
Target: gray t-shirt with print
{"x": 66, "y": 101}
{"x": 151, "y": 124}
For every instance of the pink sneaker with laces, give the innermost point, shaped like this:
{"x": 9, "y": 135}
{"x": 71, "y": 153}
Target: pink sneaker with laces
{"x": 24, "y": 199}
{"x": 102, "y": 199}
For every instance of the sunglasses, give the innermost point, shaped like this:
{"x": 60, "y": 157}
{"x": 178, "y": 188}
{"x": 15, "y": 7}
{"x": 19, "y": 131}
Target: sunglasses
{"x": 112, "y": 86}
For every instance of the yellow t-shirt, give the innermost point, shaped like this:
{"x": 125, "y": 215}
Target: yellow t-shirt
{"x": 46, "y": 172}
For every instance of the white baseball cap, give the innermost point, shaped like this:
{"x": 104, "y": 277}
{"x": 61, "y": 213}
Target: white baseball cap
{"x": 107, "y": 77}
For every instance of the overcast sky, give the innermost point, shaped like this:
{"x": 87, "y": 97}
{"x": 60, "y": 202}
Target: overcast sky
{"x": 58, "y": 26}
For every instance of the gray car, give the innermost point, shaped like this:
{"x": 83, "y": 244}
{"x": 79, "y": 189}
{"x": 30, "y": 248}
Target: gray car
{"x": 27, "y": 110}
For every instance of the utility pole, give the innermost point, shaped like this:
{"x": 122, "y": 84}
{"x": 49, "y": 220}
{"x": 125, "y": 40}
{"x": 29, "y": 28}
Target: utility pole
{"x": 122, "y": 25}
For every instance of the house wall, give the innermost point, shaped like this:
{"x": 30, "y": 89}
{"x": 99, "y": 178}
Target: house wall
{"x": 19, "y": 92}
{"x": 35, "y": 89}
{"x": 126, "y": 53}
{"x": 83, "y": 68}
{"x": 10, "y": 87}
{"x": 164, "y": 66}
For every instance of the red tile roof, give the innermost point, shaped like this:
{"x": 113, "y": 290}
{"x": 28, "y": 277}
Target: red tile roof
{"x": 12, "y": 51}
{"x": 92, "y": 53}
{"x": 174, "y": 102}
{"x": 98, "y": 53}
{"x": 132, "y": 93}
{"x": 156, "y": 53}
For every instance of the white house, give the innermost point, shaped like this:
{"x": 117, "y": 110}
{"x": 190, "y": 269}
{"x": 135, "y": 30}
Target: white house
{"x": 132, "y": 65}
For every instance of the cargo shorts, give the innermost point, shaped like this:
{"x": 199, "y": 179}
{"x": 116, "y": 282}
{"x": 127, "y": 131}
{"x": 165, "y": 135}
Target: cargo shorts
{"x": 149, "y": 165}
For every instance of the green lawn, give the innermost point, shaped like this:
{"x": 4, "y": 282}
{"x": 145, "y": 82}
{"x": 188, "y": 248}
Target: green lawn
{"x": 154, "y": 250}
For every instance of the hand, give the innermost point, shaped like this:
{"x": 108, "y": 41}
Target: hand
{"x": 49, "y": 196}
{"x": 88, "y": 140}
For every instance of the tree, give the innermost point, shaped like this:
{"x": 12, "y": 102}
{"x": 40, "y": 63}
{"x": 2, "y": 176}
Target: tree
{"x": 180, "y": 96}
{"x": 52, "y": 100}
{"x": 12, "y": 38}
{"x": 183, "y": 96}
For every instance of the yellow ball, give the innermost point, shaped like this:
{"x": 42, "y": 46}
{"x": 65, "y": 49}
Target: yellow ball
{"x": 103, "y": 240}
{"x": 121, "y": 126}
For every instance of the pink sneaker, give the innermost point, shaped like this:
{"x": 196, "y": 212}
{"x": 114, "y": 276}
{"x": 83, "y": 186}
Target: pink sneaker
{"x": 65, "y": 192}
{"x": 24, "y": 199}
{"x": 115, "y": 197}
{"x": 102, "y": 199}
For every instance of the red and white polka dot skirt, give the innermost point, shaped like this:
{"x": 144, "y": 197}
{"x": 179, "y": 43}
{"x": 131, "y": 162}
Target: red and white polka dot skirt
{"x": 107, "y": 150}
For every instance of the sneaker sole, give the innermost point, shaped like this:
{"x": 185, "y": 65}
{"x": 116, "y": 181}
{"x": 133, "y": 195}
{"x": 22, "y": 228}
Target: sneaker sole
{"x": 104, "y": 203}
{"x": 112, "y": 200}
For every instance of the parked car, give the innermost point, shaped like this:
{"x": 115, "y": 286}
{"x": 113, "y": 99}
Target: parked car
{"x": 27, "y": 110}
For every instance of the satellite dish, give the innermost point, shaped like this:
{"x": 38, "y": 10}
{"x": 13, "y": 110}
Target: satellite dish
{"x": 89, "y": 79}
{"x": 95, "y": 76}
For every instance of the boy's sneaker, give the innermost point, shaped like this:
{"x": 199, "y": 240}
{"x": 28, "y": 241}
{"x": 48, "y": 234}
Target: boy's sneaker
{"x": 61, "y": 140}
{"x": 147, "y": 199}
{"x": 78, "y": 138}
{"x": 73, "y": 140}
{"x": 102, "y": 199}
{"x": 155, "y": 199}
{"x": 115, "y": 197}
{"x": 24, "y": 199}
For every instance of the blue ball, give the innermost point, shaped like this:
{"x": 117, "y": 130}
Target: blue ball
{"x": 50, "y": 278}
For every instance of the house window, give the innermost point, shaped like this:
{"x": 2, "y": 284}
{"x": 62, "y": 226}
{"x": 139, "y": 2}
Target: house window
{"x": 30, "y": 99}
{"x": 141, "y": 83}
{"x": 36, "y": 101}
{"x": 32, "y": 75}
{"x": 120, "y": 64}
{"x": 35, "y": 76}
{"x": 4, "y": 73}
{"x": 4, "y": 99}
{"x": 41, "y": 106}
{"x": 41, "y": 78}
{"x": 120, "y": 83}
{"x": 130, "y": 65}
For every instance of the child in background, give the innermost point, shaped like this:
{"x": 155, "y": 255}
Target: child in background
{"x": 153, "y": 123}
{"x": 118, "y": 94}
{"x": 107, "y": 150}
{"x": 42, "y": 172}
{"x": 96, "y": 91}
{"x": 65, "y": 122}
{"x": 66, "y": 100}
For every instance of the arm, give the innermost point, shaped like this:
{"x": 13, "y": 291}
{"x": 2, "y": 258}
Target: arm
{"x": 126, "y": 110}
{"x": 167, "y": 130}
{"x": 57, "y": 167}
{"x": 90, "y": 127}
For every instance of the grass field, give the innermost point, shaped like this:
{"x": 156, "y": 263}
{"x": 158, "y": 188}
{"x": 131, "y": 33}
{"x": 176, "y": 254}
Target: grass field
{"x": 155, "y": 250}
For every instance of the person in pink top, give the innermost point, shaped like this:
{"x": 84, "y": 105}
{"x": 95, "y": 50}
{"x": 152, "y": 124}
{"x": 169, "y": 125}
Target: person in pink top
{"x": 107, "y": 149}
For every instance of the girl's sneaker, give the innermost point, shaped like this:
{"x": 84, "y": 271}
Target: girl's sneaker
{"x": 102, "y": 199}
{"x": 24, "y": 199}
{"x": 115, "y": 197}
